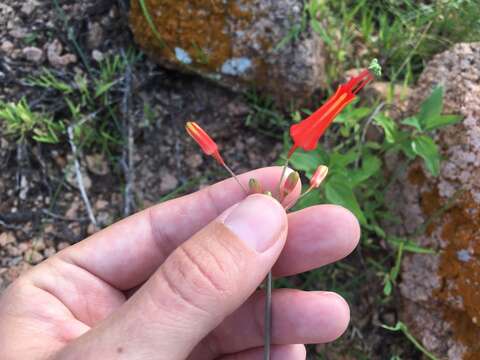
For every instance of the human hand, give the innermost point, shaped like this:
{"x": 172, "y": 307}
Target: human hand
{"x": 179, "y": 280}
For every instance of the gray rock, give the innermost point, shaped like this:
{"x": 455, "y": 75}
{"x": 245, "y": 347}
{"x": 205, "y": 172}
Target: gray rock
{"x": 7, "y": 47}
{"x": 442, "y": 292}
{"x": 235, "y": 43}
{"x": 33, "y": 54}
{"x": 55, "y": 57}
{"x": 168, "y": 183}
{"x": 28, "y": 7}
{"x": 95, "y": 36}
{"x": 6, "y": 13}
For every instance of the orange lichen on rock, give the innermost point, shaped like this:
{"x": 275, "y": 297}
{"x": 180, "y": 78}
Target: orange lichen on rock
{"x": 460, "y": 271}
{"x": 459, "y": 268}
{"x": 233, "y": 43}
{"x": 194, "y": 32}
{"x": 416, "y": 176}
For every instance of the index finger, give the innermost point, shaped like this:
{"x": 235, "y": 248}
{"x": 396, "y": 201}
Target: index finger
{"x": 128, "y": 252}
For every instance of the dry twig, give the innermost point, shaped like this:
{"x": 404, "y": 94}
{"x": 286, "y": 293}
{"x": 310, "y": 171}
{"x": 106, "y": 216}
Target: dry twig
{"x": 78, "y": 174}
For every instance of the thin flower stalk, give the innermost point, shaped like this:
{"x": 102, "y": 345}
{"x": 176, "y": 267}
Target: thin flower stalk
{"x": 316, "y": 180}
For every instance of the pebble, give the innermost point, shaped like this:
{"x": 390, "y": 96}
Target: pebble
{"x": 100, "y": 204}
{"x": 7, "y": 47}
{"x": 194, "y": 161}
{"x": 54, "y": 51}
{"x": 97, "y": 164}
{"x": 33, "y": 257}
{"x": 28, "y": 7}
{"x": 97, "y": 56}
{"x": 62, "y": 245}
{"x": 50, "y": 251}
{"x": 6, "y": 238}
{"x": 33, "y": 54}
{"x": 38, "y": 244}
{"x": 19, "y": 33}
{"x": 95, "y": 36}
{"x": 168, "y": 183}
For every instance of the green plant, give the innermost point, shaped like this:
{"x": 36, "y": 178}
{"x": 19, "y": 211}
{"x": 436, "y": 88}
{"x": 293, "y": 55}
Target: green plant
{"x": 400, "y": 326}
{"x": 358, "y": 180}
{"x": 20, "y": 122}
{"x": 48, "y": 80}
{"x": 89, "y": 101}
{"x": 404, "y": 34}
{"x": 355, "y": 163}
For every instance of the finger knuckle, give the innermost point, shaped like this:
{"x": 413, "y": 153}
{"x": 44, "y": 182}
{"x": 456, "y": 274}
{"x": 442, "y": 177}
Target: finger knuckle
{"x": 197, "y": 274}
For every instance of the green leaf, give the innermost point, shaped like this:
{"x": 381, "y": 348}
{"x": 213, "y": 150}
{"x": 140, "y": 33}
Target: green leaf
{"x": 433, "y": 123}
{"x": 413, "y": 122}
{"x": 103, "y": 88}
{"x": 387, "y": 288}
{"x": 370, "y": 165}
{"x": 426, "y": 148}
{"x": 338, "y": 191}
{"x": 306, "y": 161}
{"x": 406, "y": 147}
{"x": 388, "y": 125}
{"x": 410, "y": 246}
{"x": 339, "y": 160}
{"x": 432, "y": 106}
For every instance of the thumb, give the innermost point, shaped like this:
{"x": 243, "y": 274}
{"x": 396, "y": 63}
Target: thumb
{"x": 200, "y": 284}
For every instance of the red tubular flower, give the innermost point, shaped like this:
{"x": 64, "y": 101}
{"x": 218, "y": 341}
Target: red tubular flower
{"x": 290, "y": 184}
{"x": 307, "y": 133}
{"x": 319, "y": 175}
{"x": 208, "y": 146}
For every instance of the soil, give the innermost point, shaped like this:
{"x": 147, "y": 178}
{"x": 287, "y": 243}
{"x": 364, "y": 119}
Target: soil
{"x": 39, "y": 198}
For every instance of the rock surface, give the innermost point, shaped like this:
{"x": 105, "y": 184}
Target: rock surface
{"x": 442, "y": 292}
{"x": 234, "y": 43}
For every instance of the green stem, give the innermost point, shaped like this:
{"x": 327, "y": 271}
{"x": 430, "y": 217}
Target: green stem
{"x": 284, "y": 170}
{"x": 268, "y": 317}
{"x": 230, "y": 171}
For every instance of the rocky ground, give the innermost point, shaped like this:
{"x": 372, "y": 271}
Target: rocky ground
{"x": 41, "y": 210}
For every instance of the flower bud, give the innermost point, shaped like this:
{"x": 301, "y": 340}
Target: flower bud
{"x": 208, "y": 146}
{"x": 290, "y": 183}
{"x": 255, "y": 186}
{"x": 319, "y": 175}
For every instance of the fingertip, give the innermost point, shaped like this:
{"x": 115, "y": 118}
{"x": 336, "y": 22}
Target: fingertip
{"x": 259, "y": 221}
{"x": 348, "y": 232}
{"x": 340, "y": 224}
{"x": 289, "y": 352}
{"x": 295, "y": 351}
{"x": 339, "y": 306}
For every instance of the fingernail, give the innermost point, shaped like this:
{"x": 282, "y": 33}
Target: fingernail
{"x": 258, "y": 221}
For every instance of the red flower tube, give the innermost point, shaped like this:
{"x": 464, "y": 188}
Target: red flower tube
{"x": 306, "y": 134}
{"x": 208, "y": 146}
